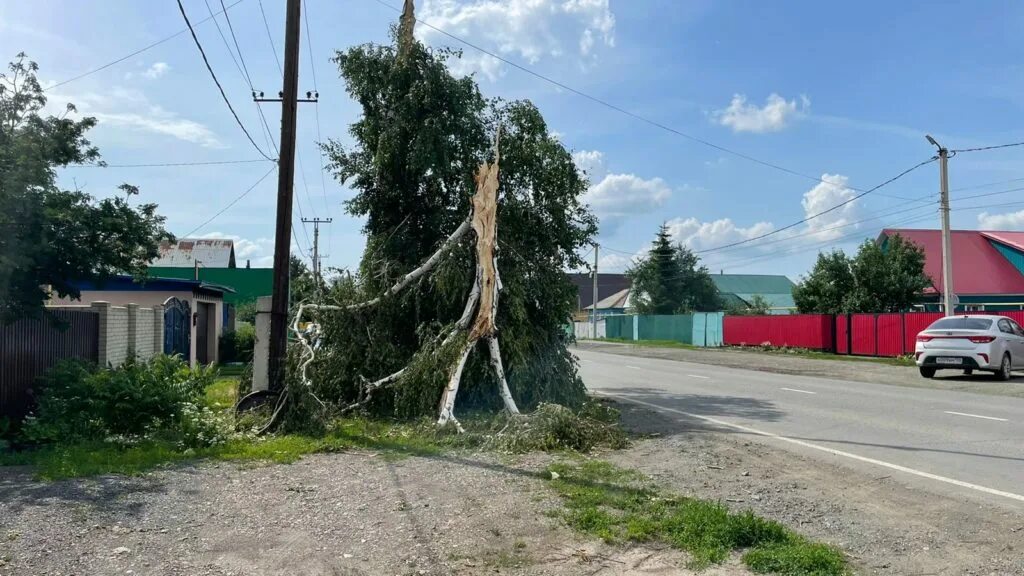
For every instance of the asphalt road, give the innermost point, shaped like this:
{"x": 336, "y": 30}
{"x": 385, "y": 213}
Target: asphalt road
{"x": 955, "y": 443}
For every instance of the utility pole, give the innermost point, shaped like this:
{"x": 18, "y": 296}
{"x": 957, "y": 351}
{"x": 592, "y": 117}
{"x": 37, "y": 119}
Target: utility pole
{"x": 948, "y": 296}
{"x": 195, "y": 265}
{"x": 285, "y": 180}
{"x": 593, "y": 316}
{"x": 316, "y": 244}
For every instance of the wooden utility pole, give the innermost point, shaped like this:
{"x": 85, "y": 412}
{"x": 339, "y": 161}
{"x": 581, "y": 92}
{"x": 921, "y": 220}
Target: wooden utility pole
{"x": 316, "y": 245}
{"x": 285, "y": 180}
{"x": 593, "y": 315}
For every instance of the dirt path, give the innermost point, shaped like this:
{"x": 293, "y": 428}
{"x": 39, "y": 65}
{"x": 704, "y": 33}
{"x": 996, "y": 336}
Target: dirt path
{"x": 338, "y": 514}
{"x": 855, "y": 370}
{"x": 886, "y": 527}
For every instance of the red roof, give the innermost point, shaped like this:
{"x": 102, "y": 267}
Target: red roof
{"x": 978, "y": 268}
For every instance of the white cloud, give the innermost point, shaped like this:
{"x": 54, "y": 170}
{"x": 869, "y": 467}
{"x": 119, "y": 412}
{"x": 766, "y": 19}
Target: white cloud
{"x": 772, "y": 117}
{"x": 702, "y": 235}
{"x": 260, "y": 252}
{"x": 1008, "y": 221}
{"x": 131, "y": 109}
{"x": 157, "y": 70}
{"x": 832, "y": 191}
{"x": 527, "y": 29}
{"x": 591, "y": 162}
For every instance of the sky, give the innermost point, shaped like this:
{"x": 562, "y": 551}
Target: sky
{"x": 727, "y": 121}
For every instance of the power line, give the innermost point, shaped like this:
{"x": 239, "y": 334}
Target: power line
{"x": 234, "y": 39}
{"x": 823, "y": 212}
{"x": 139, "y": 51}
{"x": 233, "y": 202}
{"x": 217, "y": 82}
{"x": 170, "y": 164}
{"x": 316, "y": 107}
{"x": 988, "y": 147}
{"x": 617, "y": 108}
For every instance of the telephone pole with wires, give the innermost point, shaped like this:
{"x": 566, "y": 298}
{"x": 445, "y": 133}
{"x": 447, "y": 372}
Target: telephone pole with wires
{"x": 285, "y": 185}
{"x": 948, "y": 296}
{"x": 593, "y": 316}
{"x": 317, "y": 257}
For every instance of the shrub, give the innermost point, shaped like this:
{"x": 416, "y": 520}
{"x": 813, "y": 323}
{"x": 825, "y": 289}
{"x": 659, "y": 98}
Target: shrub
{"x": 555, "y": 427}
{"x": 238, "y": 345}
{"x": 138, "y": 400}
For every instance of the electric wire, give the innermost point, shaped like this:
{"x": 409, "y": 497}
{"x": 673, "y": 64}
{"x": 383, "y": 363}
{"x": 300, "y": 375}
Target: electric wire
{"x": 202, "y": 53}
{"x": 233, "y": 202}
{"x": 137, "y": 52}
{"x": 171, "y": 164}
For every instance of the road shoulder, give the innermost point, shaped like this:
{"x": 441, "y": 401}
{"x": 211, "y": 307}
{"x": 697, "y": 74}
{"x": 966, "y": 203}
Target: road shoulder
{"x": 884, "y": 525}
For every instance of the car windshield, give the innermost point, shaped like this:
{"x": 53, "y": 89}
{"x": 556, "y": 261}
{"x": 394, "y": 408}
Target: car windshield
{"x": 961, "y": 323}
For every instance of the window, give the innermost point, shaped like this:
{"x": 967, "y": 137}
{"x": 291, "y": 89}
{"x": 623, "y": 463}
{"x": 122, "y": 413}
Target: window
{"x": 1016, "y": 328}
{"x": 961, "y": 323}
{"x": 1004, "y": 326}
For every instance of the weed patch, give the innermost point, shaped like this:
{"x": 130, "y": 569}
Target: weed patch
{"x": 620, "y": 506}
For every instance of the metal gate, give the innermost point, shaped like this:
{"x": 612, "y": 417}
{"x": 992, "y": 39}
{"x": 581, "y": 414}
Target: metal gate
{"x": 177, "y": 328}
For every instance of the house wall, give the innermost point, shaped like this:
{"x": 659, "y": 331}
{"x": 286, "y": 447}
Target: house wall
{"x": 150, "y": 298}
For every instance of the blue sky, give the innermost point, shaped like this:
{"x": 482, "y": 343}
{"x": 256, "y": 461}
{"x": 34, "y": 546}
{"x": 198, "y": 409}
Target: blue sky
{"x": 839, "y": 92}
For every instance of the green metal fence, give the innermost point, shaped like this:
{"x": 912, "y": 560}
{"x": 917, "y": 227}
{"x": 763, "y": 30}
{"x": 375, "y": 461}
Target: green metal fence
{"x": 697, "y": 329}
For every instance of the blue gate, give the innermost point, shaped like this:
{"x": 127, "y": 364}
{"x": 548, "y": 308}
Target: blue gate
{"x": 177, "y": 328}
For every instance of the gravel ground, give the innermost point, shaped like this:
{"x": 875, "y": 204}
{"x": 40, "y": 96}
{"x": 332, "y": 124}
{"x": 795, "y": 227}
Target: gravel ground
{"x": 855, "y": 370}
{"x": 337, "y": 514}
{"x": 885, "y": 526}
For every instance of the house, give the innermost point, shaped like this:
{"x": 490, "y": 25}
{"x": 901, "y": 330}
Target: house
{"x": 193, "y": 310}
{"x": 735, "y": 290}
{"x": 738, "y": 290}
{"x": 193, "y": 252}
{"x": 988, "y": 267}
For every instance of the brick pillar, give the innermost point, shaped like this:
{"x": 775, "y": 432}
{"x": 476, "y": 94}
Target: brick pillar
{"x": 103, "y": 311}
{"x": 133, "y": 329}
{"x": 158, "y": 330}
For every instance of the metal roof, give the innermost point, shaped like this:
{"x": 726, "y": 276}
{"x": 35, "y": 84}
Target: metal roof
{"x": 607, "y": 285}
{"x": 210, "y": 252}
{"x": 618, "y": 300}
{"x": 126, "y": 283}
{"x": 763, "y": 284}
{"x": 978, "y": 266}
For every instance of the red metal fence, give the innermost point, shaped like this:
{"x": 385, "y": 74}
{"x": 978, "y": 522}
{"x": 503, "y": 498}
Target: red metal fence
{"x": 28, "y": 348}
{"x": 858, "y": 334}
{"x": 812, "y": 331}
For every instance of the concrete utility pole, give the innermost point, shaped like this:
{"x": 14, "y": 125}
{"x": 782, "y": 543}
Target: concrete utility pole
{"x": 316, "y": 244}
{"x": 285, "y": 180}
{"x": 948, "y": 296}
{"x": 593, "y": 315}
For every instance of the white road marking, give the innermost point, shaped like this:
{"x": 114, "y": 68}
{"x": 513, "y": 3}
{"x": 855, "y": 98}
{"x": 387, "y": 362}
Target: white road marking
{"x": 800, "y": 391}
{"x": 699, "y": 376}
{"x": 634, "y": 367}
{"x": 977, "y": 416}
{"x": 832, "y": 451}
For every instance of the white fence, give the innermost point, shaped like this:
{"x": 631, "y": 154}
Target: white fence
{"x": 585, "y": 331}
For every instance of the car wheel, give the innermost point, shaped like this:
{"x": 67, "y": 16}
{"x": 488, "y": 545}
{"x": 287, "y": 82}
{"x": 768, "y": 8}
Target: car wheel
{"x": 968, "y": 371}
{"x": 1004, "y": 368}
{"x": 927, "y": 372}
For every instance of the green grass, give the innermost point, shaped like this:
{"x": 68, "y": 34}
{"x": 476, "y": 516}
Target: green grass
{"x": 650, "y": 343}
{"x": 223, "y": 393}
{"x": 230, "y": 370}
{"x": 621, "y": 506}
{"x": 393, "y": 440}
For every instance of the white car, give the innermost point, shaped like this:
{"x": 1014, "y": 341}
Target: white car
{"x": 969, "y": 343}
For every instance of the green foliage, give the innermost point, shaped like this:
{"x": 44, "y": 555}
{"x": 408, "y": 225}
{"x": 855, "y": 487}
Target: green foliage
{"x": 246, "y": 312}
{"x": 163, "y": 398}
{"x": 51, "y": 237}
{"x": 553, "y": 427}
{"x": 758, "y": 306}
{"x": 238, "y": 345}
{"x": 302, "y": 284}
{"x": 670, "y": 280}
{"x": 417, "y": 145}
{"x": 885, "y": 277}
{"x": 619, "y": 505}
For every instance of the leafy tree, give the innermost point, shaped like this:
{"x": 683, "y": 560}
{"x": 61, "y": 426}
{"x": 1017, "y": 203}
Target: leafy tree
{"x": 670, "y": 280}
{"x": 827, "y": 289}
{"x": 889, "y": 276}
{"x": 51, "y": 237}
{"x": 301, "y": 282}
{"x": 417, "y": 144}
{"x": 885, "y": 277}
{"x": 758, "y": 306}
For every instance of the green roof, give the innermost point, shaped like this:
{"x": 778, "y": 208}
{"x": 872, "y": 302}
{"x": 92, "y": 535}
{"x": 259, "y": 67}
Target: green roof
{"x": 247, "y": 283}
{"x": 776, "y": 289}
